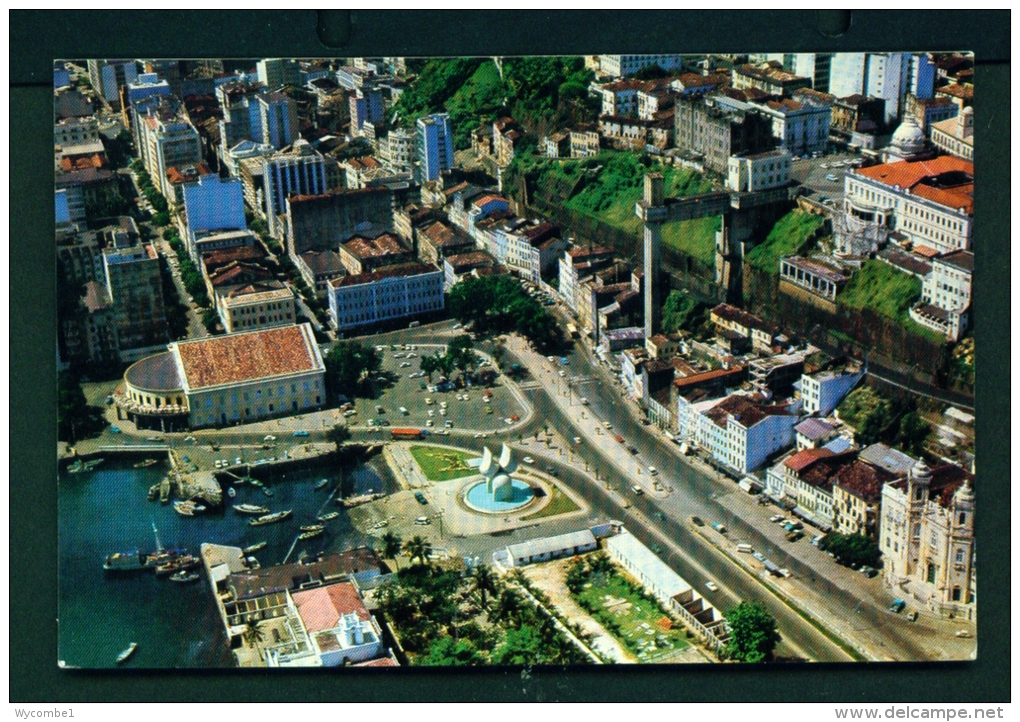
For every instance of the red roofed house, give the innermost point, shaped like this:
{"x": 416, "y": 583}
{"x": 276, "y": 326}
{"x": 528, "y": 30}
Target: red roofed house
{"x": 926, "y": 535}
{"x": 741, "y": 432}
{"x": 364, "y": 255}
{"x": 247, "y": 376}
{"x": 856, "y": 498}
{"x": 929, "y": 202}
{"x": 340, "y": 628}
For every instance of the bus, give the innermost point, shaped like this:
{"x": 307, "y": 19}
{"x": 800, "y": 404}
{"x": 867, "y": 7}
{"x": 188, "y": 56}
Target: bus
{"x": 572, "y": 330}
{"x": 408, "y": 434}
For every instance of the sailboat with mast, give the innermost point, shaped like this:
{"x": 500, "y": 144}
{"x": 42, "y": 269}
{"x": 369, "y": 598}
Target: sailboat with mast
{"x": 137, "y": 561}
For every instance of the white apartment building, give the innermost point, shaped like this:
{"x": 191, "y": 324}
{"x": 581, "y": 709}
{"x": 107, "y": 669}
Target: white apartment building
{"x": 76, "y": 131}
{"x": 620, "y": 65}
{"x": 945, "y": 295}
{"x": 821, "y": 392}
{"x": 759, "y": 171}
{"x": 742, "y": 433}
{"x": 256, "y": 307}
{"x": 394, "y": 292}
{"x": 956, "y": 135}
{"x": 167, "y": 139}
{"x": 930, "y": 202}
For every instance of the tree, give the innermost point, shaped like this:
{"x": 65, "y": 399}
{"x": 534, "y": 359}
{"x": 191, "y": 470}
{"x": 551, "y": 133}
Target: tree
{"x": 853, "y": 550}
{"x": 913, "y": 432}
{"x": 520, "y": 647}
{"x": 418, "y": 548}
{"x": 509, "y": 606}
{"x": 391, "y": 545}
{"x": 449, "y": 652}
{"x": 429, "y": 365}
{"x": 75, "y": 418}
{"x": 252, "y": 634}
{"x": 679, "y": 312}
{"x": 753, "y": 635}
{"x": 486, "y": 583}
{"x": 338, "y": 434}
{"x": 346, "y": 364}
{"x": 210, "y": 319}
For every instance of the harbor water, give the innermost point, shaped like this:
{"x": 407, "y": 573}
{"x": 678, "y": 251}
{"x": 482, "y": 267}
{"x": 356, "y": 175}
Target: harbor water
{"x": 175, "y": 625}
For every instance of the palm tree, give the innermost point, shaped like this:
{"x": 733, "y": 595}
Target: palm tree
{"x": 429, "y": 364}
{"x": 338, "y": 434}
{"x": 391, "y": 546}
{"x": 486, "y": 583}
{"x": 509, "y": 606}
{"x": 418, "y": 548}
{"x": 252, "y": 634}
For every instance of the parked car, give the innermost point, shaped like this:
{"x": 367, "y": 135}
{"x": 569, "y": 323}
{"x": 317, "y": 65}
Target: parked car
{"x": 637, "y": 489}
{"x": 420, "y": 497}
{"x": 696, "y": 520}
{"x": 711, "y": 586}
{"x": 114, "y": 430}
{"x": 775, "y": 517}
{"x": 528, "y": 460}
{"x": 897, "y": 606}
{"x": 653, "y": 471}
{"x": 300, "y": 433}
{"x": 759, "y": 556}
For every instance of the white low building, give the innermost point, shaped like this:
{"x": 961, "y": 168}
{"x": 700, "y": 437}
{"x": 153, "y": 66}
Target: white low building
{"x": 945, "y": 295}
{"x": 555, "y": 547}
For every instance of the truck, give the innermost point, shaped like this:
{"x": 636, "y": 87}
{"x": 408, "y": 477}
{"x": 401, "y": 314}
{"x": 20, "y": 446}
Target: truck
{"x": 572, "y": 330}
{"x": 408, "y": 434}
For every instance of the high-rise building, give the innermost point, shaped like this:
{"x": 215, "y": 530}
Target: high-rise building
{"x": 277, "y": 72}
{"x": 211, "y": 205}
{"x": 876, "y": 75}
{"x": 107, "y": 77}
{"x": 297, "y": 171}
{"x": 242, "y": 119}
{"x": 817, "y": 66}
{"x": 135, "y": 287}
{"x": 435, "y": 146}
{"x": 278, "y": 119}
{"x": 165, "y": 138}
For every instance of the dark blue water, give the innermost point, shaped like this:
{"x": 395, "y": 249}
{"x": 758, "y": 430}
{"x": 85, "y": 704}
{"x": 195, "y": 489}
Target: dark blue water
{"x": 175, "y": 625}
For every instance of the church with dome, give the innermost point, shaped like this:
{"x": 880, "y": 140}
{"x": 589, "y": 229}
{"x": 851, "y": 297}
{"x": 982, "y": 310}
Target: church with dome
{"x": 907, "y": 143}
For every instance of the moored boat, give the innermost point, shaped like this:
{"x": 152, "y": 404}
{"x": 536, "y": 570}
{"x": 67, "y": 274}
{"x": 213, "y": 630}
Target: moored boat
{"x": 123, "y": 656}
{"x": 353, "y": 501}
{"x": 126, "y": 562}
{"x": 76, "y": 467}
{"x": 188, "y": 508}
{"x": 230, "y": 492}
{"x": 184, "y": 577}
{"x": 321, "y": 484}
{"x": 177, "y": 564}
{"x": 312, "y": 527}
{"x": 328, "y": 516}
{"x": 147, "y": 462}
{"x": 270, "y": 518}
{"x": 310, "y": 534}
{"x": 93, "y": 463}
{"x": 251, "y": 509}
{"x": 255, "y": 547}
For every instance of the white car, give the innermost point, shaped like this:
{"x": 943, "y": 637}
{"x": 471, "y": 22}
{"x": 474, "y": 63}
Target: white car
{"x": 431, "y": 412}
{"x": 430, "y": 422}
{"x": 428, "y": 401}
{"x": 607, "y": 424}
{"x": 444, "y": 432}
{"x": 653, "y": 471}
{"x": 711, "y": 586}
{"x": 465, "y": 397}
{"x": 528, "y": 460}
{"x": 442, "y": 412}
{"x": 405, "y": 364}
{"x": 562, "y": 373}
{"x": 479, "y": 435}
{"x": 508, "y": 421}
{"x": 412, "y": 355}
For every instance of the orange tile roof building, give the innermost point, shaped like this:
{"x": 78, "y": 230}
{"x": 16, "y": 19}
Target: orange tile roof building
{"x": 929, "y": 202}
{"x": 247, "y": 376}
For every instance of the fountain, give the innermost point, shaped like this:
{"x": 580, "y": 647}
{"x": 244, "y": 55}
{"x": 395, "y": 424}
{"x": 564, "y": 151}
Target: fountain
{"x": 499, "y": 492}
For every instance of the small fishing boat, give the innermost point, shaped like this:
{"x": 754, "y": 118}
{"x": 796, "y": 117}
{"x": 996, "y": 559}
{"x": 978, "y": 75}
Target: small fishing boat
{"x": 313, "y": 527}
{"x": 76, "y": 467}
{"x": 251, "y": 509}
{"x": 321, "y": 484}
{"x": 188, "y": 508}
{"x": 310, "y": 534}
{"x": 271, "y": 518}
{"x": 230, "y": 492}
{"x": 256, "y": 482}
{"x": 328, "y": 516}
{"x": 123, "y": 656}
{"x": 267, "y": 491}
{"x": 147, "y": 462}
{"x": 255, "y": 547}
{"x": 253, "y": 563}
{"x": 184, "y": 577}
{"x": 93, "y": 463}
{"x": 177, "y": 564}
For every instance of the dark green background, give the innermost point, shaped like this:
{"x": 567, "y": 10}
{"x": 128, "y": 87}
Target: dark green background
{"x": 37, "y": 37}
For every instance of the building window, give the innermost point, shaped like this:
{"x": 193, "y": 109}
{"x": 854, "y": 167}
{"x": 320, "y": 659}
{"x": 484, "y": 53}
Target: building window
{"x": 956, "y": 594}
{"x": 959, "y": 556}
{"x": 931, "y": 573}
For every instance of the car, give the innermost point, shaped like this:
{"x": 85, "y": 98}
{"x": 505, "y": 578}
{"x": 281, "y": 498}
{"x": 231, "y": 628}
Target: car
{"x": 784, "y": 572}
{"x": 912, "y": 615}
{"x": 637, "y": 489}
{"x": 488, "y": 410}
{"x": 653, "y": 471}
{"x": 794, "y": 536}
{"x": 564, "y": 360}
{"x": 528, "y": 460}
{"x": 897, "y": 606}
{"x": 619, "y": 439}
{"x": 825, "y": 165}
{"x": 562, "y": 373}
{"x": 412, "y": 355}
{"x": 508, "y": 421}
{"x": 775, "y": 517}
{"x": 478, "y": 435}
{"x": 465, "y": 398}
{"x": 422, "y": 521}
{"x": 420, "y": 497}
{"x": 697, "y": 521}
{"x": 300, "y": 432}
{"x": 383, "y": 422}
{"x": 719, "y": 527}
{"x": 114, "y": 430}
{"x": 607, "y": 425}
{"x": 782, "y": 520}
{"x": 831, "y": 178}
{"x": 237, "y": 460}
{"x": 869, "y": 572}
{"x": 191, "y": 439}
{"x": 370, "y": 422}
{"x": 577, "y": 439}
{"x": 583, "y": 400}
{"x": 444, "y": 432}
{"x": 816, "y": 539}
{"x": 448, "y": 424}
{"x": 430, "y": 422}
{"x": 759, "y": 556}
{"x": 711, "y": 586}
{"x": 405, "y": 364}
{"x": 456, "y": 326}
{"x": 551, "y": 359}
{"x": 442, "y": 412}
{"x": 515, "y": 417}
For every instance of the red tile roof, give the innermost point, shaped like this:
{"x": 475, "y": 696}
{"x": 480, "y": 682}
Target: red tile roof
{"x": 381, "y": 662}
{"x": 707, "y": 377}
{"x": 222, "y": 256}
{"x": 322, "y": 607}
{"x": 863, "y": 480}
{"x": 238, "y": 272}
{"x": 242, "y": 357}
{"x": 404, "y": 269}
{"x": 922, "y": 178}
{"x": 383, "y": 245}
{"x": 744, "y": 410}
{"x": 804, "y": 459}
{"x": 440, "y": 234}
{"x": 966, "y": 92}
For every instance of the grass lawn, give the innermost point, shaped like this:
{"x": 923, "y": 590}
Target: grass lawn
{"x": 439, "y": 464}
{"x": 888, "y": 292}
{"x": 785, "y": 239}
{"x": 559, "y": 504}
{"x": 696, "y": 237}
{"x": 634, "y": 621}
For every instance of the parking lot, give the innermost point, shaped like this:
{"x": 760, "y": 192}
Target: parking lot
{"x": 823, "y": 177}
{"x": 411, "y": 403}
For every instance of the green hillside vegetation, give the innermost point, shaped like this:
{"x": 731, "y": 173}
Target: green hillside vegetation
{"x": 438, "y": 81}
{"x": 785, "y": 239}
{"x": 479, "y": 100}
{"x": 867, "y": 412}
{"x": 879, "y": 287}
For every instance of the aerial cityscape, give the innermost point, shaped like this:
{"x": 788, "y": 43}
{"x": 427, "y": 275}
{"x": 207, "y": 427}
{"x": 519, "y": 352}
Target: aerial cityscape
{"x": 521, "y": 361}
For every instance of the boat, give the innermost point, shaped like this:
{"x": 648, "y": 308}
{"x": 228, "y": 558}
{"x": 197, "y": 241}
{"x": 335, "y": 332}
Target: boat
{"x": 184, "y": 577}
{"x": 310, "y": 534}
{"x": 255, "y": 547}
{"x": 313, "y": 527}
{"x": 230, "y": 492}
{"x": 380, "y": 524}
{"x": 271, "y": 518}
{"x": 188, "y": 508}
{"x": 253, "y": 563}
{"x": 123, "y": 656}
{"x": 328, "y": 516}
{"x": 180, "y": 563}
{"x": 267, "y": 491}
{"x": 256, "y": 482}
{"x": 353, "y": 501}
{"x": 76, "y": 467}
{"x": 93, "y": 463}
{"x": 126, "y": 562}
{"x": 251, "y": 509}
{"x": 153, "y": 492}
{"x": 164, "y": 490}
{"x": 147, "y": 462}
{"x": 322, "y": 483}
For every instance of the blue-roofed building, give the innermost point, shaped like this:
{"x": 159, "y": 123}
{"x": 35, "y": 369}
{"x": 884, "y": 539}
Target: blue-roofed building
{"x": 813, "y": 433}
{"x": 213, "y": 204}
